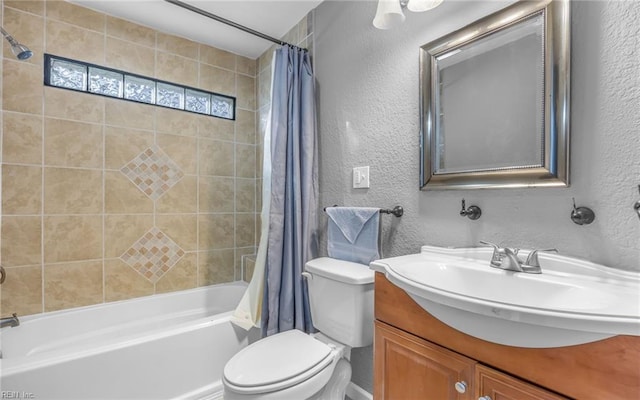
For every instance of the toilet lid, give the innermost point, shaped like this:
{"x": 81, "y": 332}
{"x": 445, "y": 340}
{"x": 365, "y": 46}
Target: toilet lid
{"x": 278, "y": 359}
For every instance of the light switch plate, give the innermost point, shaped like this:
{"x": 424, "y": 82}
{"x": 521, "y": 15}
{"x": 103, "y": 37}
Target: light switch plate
{"x": 361, "y": 177}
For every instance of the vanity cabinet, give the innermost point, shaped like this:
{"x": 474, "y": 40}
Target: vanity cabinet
{"x": 418, "y": 357}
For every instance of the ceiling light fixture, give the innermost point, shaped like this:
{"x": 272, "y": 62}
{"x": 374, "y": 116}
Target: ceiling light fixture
{"x": 389, "y": 13}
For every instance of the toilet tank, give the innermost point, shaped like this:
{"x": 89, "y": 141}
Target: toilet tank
{"x": 341, "y": 300}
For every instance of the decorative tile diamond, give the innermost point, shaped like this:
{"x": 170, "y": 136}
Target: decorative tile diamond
{"x": 153, "y": 172}
{"x": 153, "y": 255}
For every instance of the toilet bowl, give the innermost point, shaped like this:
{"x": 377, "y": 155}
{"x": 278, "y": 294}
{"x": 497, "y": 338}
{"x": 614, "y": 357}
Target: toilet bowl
{"x": 298, "y": 366}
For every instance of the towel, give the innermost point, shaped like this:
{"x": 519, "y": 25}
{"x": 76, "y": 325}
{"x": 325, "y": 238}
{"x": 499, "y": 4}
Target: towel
{"x": 353, "y": 233}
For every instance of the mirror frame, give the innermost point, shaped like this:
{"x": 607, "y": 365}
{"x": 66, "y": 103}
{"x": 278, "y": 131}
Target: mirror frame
{"x": 555, "y": 170}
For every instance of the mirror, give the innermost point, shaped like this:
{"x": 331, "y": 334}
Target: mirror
{"x": 495, "y": 101}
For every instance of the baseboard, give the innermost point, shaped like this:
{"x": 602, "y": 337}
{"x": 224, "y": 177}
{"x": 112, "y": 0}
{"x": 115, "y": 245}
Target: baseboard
{"x": 355, "y": 392}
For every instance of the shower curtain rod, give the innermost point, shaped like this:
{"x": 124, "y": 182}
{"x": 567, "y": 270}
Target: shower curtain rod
{"x": 230, "y": 23}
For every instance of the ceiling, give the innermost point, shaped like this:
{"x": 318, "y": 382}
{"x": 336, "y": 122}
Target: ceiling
{"x": 273, "y": 18}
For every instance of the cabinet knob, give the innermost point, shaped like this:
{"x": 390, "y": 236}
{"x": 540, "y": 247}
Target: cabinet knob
{"x": 484, "y": 398}
{"x": 461, "y": 387}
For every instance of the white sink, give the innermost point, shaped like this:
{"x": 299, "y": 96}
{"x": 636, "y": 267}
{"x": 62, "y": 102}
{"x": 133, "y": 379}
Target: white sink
{"x": 572, "y": 302}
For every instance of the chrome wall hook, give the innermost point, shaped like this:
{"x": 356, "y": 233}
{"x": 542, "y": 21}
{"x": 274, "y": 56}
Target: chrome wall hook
{"x": 582, "y": 215}
{"x": 636, "y": 206}
{"x": 473, "y": 212}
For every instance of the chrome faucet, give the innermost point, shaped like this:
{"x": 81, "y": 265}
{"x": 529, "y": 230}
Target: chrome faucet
{"x": 507, "y": 259}
{"x": 11, "y": 321}
{"x": 504, "y": 258}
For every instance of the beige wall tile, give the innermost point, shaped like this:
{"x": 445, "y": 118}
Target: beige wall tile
{"x": 21, "y": 190}
{"x": 22, "y": 86}
{"x": 72, "y": 144}
{"x": 258, "y": 199}
{"x": 182, "y": 276}
{"x": 246, "y": 92}
{"x": 248, "y": 268}
{"x": 131, "y": 32}
{"x": 217, "y": 57}
{"x": 177, "y": 122}
{"x": 72, "y": 238}
{"x": 245, "y": 160}
{"x": 216, "y": 194}
{"x": 122, "y": 231}
{"x": 215, "y": 231}
{"x": 177, "y": 45}
{"x": 217, "y": 80}
{"x": 245, "y": 195}
{"x": 123, "y": 282}
{"x": 181, "y": 198}
{"x": 27, "y": 28}
{"x": 75, "y": 15}
{"x": 182, "y": 150}
{"x": 32, "y": 6}
{"x": 245, "y": 230}
{"x": 21, "y": 241}
{"x": 215, "y": 266}
{"x": 216, "y": 157}
{"x": 123, "y": 197}
{"x": 73, "y": 105}
{"x": 216, "y": 128}
{"x": 264, "y": 61}
{"x": 71, "y": 41}
{"x": 176, "y": 69}
{"x": 22, "y": 138}
{"x": 123, "y": 145}
{"x": 129, "y": 57}
{"x": 259, "y": 160}
{"x": 22, "y": 291}
{"x": 264, "y": 91}
{"x": 245, "y": 126}
{"x": 246, "y": 66}
{"x": 72, "y": 285}
{"x": 72, "y": 191}
{"x": 181, "y": 228}
{"x": 129, "y": 114}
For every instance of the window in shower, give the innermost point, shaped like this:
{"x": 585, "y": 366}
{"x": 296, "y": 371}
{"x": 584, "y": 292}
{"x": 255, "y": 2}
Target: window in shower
{"x": 84, "y": 77}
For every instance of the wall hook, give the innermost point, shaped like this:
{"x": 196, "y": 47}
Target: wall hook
{"x": 636, "y": 206}
{"x": 582, "y": 215}
{"x": 473, "y": 212}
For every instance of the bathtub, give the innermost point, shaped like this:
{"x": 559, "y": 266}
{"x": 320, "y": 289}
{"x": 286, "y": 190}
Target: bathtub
{"x": 170, "y": 346}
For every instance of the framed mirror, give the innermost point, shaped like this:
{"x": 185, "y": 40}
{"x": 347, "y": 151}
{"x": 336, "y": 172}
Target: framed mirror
{"x": 494, "y": 106}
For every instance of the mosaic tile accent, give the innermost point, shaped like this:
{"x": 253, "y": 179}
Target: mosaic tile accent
{"x": 153, "y": 172}
{"x": 153, "y": 255}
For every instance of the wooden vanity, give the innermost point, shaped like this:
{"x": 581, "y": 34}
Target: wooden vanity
{"x": 418, "y": 357}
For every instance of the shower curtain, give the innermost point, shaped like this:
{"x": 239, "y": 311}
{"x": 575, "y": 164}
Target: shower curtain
{"x": 292, "y": 233}
{"x": 276, "y": 298}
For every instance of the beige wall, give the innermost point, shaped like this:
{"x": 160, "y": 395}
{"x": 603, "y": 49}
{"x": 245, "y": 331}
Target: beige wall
{"x": 70, "y": 215}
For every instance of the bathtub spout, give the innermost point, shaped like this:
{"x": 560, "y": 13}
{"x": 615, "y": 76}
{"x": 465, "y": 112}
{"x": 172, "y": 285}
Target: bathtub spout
{"x": 11, "y": 321}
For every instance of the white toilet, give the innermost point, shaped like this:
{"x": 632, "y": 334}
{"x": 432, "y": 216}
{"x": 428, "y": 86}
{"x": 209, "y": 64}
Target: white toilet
{"x": 293, "y": 365}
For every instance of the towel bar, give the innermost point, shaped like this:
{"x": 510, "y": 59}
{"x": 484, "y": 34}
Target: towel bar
{"x": 397, "y": 210}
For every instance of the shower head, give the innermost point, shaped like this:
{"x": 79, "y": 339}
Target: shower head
{"x": 21, "y": 51}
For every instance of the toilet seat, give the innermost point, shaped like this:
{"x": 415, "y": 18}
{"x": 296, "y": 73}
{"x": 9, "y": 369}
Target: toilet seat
{"x": 277, "y": 362}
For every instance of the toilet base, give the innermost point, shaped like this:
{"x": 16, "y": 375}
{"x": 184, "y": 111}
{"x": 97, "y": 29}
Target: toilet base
{"x": 337, "y": 385}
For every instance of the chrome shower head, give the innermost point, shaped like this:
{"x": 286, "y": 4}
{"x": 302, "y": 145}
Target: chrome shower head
{"x": 21, "y": 51}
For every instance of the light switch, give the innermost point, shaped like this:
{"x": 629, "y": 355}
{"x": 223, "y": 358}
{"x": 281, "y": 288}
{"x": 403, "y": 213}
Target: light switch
{"x": 361, "y": 177}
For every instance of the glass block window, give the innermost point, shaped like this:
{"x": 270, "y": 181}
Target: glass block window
{"x": 139, "y": 89}
{"x": 108, "y": 83}
{"x": 84, "y": 77}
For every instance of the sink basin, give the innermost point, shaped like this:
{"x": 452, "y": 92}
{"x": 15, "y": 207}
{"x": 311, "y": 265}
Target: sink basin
{"x": 572, "y": 302}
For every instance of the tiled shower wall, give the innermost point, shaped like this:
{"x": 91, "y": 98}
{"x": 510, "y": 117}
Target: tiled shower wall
{"x": 76, "y": 229}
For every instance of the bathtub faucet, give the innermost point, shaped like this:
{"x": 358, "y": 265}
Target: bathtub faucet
{"x": 11, "y": 321}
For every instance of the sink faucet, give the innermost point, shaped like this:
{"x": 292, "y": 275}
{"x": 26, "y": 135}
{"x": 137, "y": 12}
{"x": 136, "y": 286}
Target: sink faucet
{"x": 504, "y": 258}
{"x": 507, "y": 259}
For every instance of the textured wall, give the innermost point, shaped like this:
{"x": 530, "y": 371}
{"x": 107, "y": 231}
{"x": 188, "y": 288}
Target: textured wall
{"x": 69, "y": 213}
{"x": 368, "y": 115}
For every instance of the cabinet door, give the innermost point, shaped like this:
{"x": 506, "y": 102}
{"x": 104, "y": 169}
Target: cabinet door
{"x": 494, "y": 385}
{"x": 407, "y": 368}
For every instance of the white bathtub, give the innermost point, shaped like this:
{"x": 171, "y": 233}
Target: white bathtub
{"x": 171, "y": 346}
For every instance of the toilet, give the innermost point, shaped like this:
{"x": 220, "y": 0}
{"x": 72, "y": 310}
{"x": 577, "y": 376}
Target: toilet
{"x": 298, "y": 366}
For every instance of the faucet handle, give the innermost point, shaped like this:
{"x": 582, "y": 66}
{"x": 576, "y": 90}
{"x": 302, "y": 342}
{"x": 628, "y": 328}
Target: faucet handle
{"x": 532, "y": 258}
